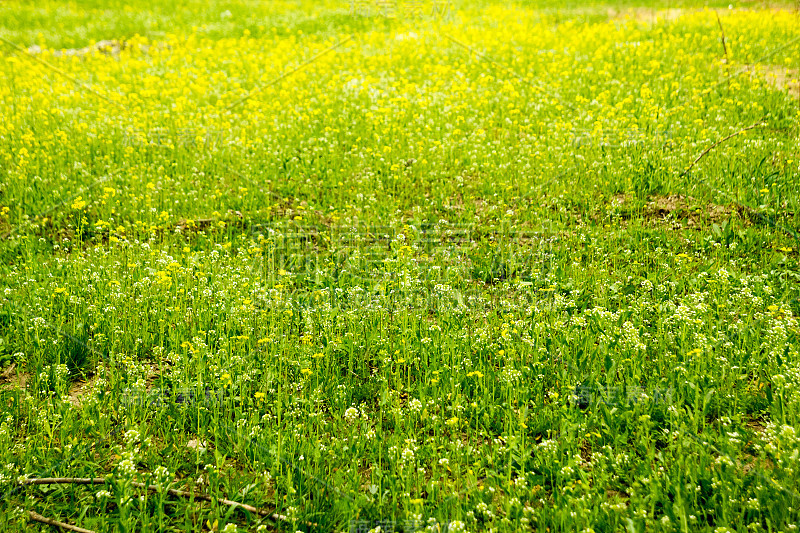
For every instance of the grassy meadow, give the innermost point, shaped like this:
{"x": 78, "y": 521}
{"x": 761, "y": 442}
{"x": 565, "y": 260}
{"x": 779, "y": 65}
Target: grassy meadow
{"x": 416, "y": 266}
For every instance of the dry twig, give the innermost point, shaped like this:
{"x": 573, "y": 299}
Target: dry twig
{"x": 731, "y": 136}
{"x": 155, "y": 488}
{"x": 50, "y": 522}
{"x": 725, "y": 49}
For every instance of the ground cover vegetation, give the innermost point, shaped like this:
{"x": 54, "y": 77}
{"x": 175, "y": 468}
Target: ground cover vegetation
{"x": 415, "y": 266}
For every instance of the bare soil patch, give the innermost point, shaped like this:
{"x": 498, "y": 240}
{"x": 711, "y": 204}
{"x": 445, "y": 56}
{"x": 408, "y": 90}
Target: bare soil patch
{"x": 11, "y": 379}
{"x": 680, "y": 206}
{"x": 79, "y": 389}
{"x": 646, "y": 15}
{"x": 675, "y": 210}
{"x": 781, "y": 78}
{"x": 111, "y": 47}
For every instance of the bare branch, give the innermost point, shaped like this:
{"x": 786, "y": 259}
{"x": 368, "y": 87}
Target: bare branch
{"x": 50, "y": 522}
{"x": 155, "y": 488}
{"x": 731, "y": 136}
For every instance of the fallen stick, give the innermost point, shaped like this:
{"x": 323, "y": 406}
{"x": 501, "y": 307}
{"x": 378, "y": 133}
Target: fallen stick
{"x": 731, "y": 136}
{"x": 156, "y": 488}
{"x": 50, "y": 522}
{"x": 725, "y": 49}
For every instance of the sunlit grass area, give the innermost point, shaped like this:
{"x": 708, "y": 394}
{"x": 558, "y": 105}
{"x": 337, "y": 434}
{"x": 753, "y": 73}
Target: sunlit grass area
{"x": 417, "y": 266}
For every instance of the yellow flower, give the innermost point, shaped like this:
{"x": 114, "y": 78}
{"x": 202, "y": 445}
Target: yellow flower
{"x": 78, "y": 203}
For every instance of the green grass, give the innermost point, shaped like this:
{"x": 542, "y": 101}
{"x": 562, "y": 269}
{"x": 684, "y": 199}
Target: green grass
{"x": 449, "y": 275}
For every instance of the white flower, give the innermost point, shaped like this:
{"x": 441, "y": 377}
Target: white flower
{"x": 127, "y": 467}
{"x": 456, "y": 526}
{"x": 407, "y": 456}
{"x": 414, "y": 405}
{"x": 131, "y": 437}
{"x": 351, "y": 414}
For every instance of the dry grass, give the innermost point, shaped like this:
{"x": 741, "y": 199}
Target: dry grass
{"x": 781, "y": 78}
